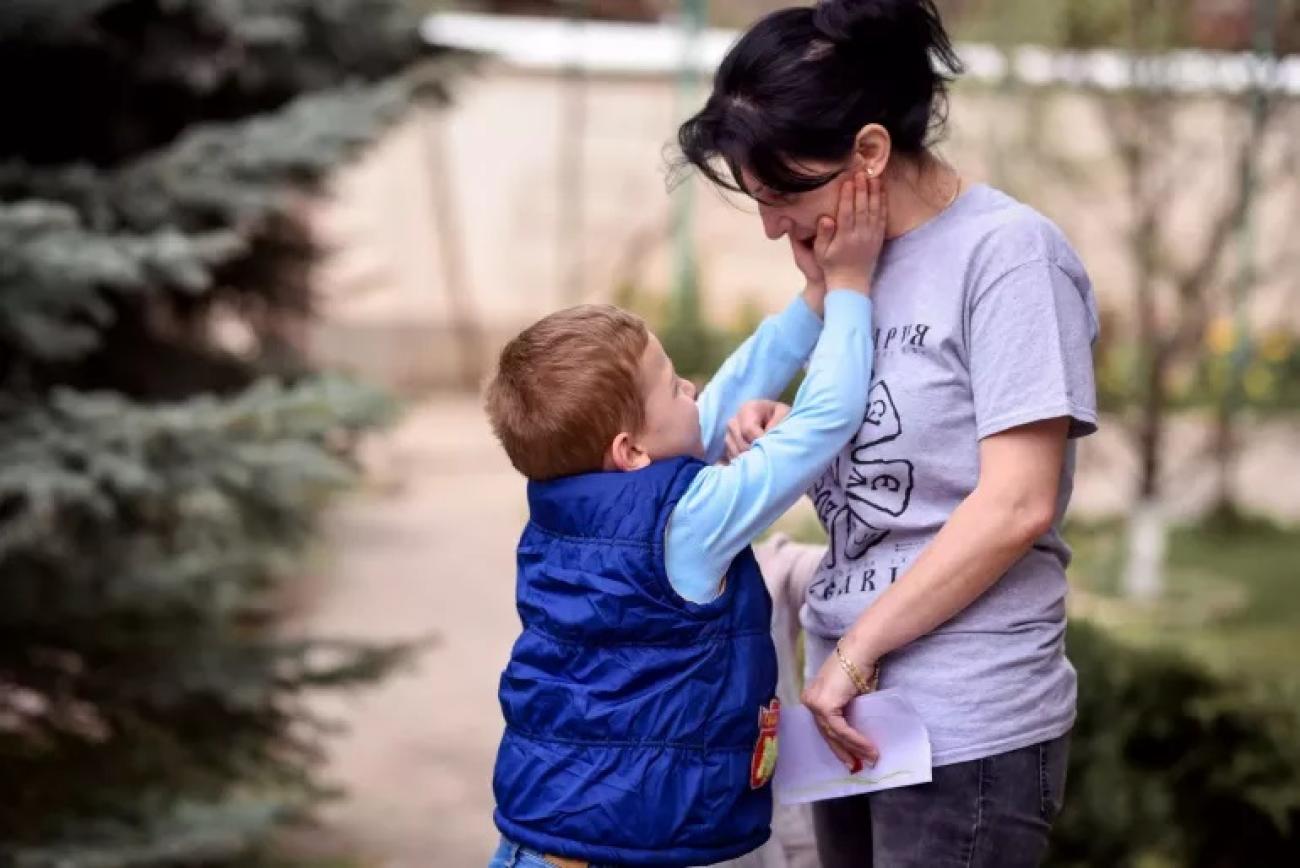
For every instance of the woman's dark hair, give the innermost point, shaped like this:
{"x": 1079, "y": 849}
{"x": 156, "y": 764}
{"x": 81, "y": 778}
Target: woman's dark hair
{"x": 803, "y": 81}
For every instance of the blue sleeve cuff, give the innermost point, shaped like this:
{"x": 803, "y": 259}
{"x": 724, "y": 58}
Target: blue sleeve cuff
{"x": 847, "y": 304}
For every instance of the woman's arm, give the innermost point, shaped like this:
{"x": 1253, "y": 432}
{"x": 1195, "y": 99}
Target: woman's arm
{"x": 1013, "y": 504}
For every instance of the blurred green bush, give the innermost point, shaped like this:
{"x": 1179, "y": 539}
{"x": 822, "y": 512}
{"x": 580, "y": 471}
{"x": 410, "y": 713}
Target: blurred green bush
{"x": 1173, "y": 766}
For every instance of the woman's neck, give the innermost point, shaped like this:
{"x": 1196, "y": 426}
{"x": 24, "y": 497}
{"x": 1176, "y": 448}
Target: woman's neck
{"x": 919, "y": 190}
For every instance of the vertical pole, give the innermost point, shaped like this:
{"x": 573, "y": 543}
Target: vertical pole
{"x": 570, "y": 231}
{"x": 685, "y": 285}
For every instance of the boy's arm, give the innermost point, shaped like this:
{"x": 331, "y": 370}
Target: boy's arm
{"x": 726, "y": 507}
{"x": 761, "y": 367}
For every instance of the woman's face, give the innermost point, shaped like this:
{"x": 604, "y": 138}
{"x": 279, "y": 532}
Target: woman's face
{"x": 796, "y": 214}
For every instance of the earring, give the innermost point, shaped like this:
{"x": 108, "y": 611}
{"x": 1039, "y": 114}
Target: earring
{"x": 871, "y": 173}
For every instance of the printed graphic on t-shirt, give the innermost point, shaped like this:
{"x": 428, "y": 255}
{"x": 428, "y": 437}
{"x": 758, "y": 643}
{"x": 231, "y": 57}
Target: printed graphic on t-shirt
{"x": 858, "y": 494}
{"x": 982, "y": 316}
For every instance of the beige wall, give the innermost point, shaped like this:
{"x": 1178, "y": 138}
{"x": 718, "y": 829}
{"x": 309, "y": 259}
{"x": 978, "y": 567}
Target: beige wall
{"x": 388, "y": 306}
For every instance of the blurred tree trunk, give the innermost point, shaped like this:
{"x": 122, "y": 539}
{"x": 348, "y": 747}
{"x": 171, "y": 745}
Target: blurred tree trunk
{"x": 1171, "y": 297}
{"x": 1225, "y": 447}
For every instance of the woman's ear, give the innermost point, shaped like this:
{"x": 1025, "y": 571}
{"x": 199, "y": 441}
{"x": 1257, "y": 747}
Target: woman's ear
{"x": 624, "y": 454}
{"x": 872, "y": 147}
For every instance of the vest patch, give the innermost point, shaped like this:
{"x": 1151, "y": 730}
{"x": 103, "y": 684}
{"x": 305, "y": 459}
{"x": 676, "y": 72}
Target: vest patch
{"x": 763, "y": 763}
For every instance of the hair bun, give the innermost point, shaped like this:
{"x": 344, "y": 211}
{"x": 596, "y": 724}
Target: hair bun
{"x": 889, "y": 34}
{"x": 846, "y": 21}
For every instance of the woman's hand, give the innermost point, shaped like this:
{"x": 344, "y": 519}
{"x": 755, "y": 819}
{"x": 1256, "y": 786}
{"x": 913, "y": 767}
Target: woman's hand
{"x": 848, "y": 247}
{"x": 827, "y": 696}
{"x": 752, "y": 420}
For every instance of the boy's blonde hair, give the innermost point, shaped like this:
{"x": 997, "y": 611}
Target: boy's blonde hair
{"x": 565, "y": 387}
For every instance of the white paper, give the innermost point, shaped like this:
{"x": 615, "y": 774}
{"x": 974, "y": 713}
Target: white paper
{"x": 807, "y": 771}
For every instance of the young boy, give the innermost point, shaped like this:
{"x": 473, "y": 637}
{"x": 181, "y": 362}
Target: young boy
{"x": 640, "y": 698}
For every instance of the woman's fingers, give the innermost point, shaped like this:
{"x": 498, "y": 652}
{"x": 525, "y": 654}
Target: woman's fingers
{"x": 826, "y": 698}
{"x": 848, "y": 746}
{"x": 849, "y": 739}
{"x": 836, "y": 748}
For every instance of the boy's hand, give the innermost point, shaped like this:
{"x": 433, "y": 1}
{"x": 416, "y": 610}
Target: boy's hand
{"x": 814, "y": 291}
{"x": 848, "y": 247}
{"x": 752, "y": 420}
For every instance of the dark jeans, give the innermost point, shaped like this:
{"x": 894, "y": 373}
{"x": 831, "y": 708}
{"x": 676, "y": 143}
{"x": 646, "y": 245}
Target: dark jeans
{"x": 995, "y": 811}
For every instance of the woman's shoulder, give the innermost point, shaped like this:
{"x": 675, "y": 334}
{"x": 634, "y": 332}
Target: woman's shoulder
{"x": 1007, "y": 234}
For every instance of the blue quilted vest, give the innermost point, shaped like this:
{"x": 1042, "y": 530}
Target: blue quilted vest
{"x": 640, "y": 728}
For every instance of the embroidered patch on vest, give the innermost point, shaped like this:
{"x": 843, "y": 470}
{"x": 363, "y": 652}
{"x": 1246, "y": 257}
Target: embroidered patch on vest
{"x": 764, "y": 760}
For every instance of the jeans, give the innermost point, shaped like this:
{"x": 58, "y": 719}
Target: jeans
{"x": 509, "y": 855}
{"x": 994, "y": 812}
{"x": 512, "y": 855}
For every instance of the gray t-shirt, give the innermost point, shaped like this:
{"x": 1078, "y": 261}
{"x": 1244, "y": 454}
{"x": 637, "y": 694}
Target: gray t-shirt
{"x": 984, "y": 320}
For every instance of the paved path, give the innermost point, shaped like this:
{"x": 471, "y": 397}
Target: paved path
{"x": 427, "y": 548}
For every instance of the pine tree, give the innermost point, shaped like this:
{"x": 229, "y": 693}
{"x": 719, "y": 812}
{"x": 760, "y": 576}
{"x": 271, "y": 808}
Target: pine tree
{"x": 156, "y": 484}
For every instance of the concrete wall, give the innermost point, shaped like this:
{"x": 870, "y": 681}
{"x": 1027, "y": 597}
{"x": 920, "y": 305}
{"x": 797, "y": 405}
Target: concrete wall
{"x": 528, "y": 232}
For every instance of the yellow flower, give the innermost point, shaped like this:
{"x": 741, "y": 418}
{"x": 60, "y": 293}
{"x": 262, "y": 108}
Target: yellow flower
{"x": 1220, "y": 335}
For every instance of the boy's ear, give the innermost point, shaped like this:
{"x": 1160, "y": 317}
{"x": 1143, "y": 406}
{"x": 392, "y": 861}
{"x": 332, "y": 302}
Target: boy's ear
{"x": 624, "y": 454}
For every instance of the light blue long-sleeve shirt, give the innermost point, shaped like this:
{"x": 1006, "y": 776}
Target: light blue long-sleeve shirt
{"x": 727, "y": 506}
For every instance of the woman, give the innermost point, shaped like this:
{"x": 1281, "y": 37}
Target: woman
{"x": 945, "y": 573}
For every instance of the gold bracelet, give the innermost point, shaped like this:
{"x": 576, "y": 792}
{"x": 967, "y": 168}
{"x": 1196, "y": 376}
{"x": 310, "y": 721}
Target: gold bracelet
{"x": 862, "y": 685}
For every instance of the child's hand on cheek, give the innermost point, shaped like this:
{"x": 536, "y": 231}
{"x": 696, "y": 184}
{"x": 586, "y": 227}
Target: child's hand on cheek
{"x": 848, "y": 247}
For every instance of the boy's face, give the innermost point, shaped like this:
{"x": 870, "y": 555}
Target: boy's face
{"x": 672, "y": 420}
